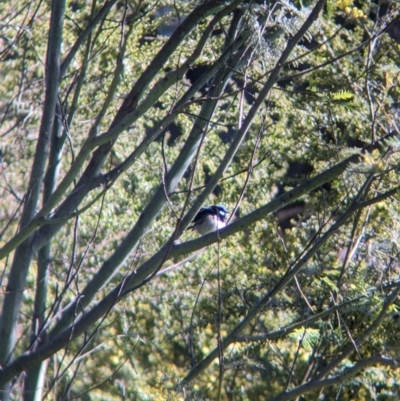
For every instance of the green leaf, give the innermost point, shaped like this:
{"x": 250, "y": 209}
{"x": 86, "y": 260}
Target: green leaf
{"x": 308, "y": 337}
{"x": 342, "y": 95}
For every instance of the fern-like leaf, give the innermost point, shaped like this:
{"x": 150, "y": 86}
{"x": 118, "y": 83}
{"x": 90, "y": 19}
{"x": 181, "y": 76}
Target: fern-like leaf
{"x": 342, "y": 95}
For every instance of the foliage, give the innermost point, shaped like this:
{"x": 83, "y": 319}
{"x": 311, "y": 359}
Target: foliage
{"x": 119, "y": 120}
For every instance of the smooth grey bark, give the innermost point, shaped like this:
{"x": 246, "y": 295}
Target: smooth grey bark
{"x": 340, "y": 378}
{"x": 246, "y": 125}
{"x": 185, "y": 248}
{"x": 134, "y": 280}
{"x": 102, "y": 152}
{"x": 170, "y": 117}
{"x": 319, "y": 381}
{"x": 23, "y": 254}
{"x": 168, "y": 251}
{"x": 84, "y": 34}
{"x": 35, "y": 377}
{"x": 285, "y": 280}
{"x": 39, "y": 218}
{"x": 26, "y": 361}
{"x": 129, "y": 112}
{"x": 151, "y": 211}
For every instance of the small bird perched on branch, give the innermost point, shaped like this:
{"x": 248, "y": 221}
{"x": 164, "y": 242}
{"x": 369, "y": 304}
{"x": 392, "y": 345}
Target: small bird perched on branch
{"x": 209, "y": 218}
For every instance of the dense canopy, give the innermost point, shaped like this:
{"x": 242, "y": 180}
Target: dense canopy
{"x": 120, "y": 120}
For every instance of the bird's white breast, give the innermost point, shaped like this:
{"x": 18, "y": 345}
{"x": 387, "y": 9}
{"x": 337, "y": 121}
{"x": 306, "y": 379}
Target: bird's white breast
{"x": 208, "y": 224}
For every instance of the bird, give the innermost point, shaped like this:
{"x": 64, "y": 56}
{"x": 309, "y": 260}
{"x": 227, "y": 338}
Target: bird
{"x": 209, "y": 218}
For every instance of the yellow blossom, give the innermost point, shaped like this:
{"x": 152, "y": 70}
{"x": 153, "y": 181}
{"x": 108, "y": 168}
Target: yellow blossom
{"x": 343, "y": 4}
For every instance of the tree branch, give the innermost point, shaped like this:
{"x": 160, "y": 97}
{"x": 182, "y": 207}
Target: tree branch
{"x": 340, "y": 378}
{"x": 23, "y": 254}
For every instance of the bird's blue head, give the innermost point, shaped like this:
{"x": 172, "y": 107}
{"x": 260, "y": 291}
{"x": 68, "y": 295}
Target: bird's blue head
{"x": 220, "y": 211}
